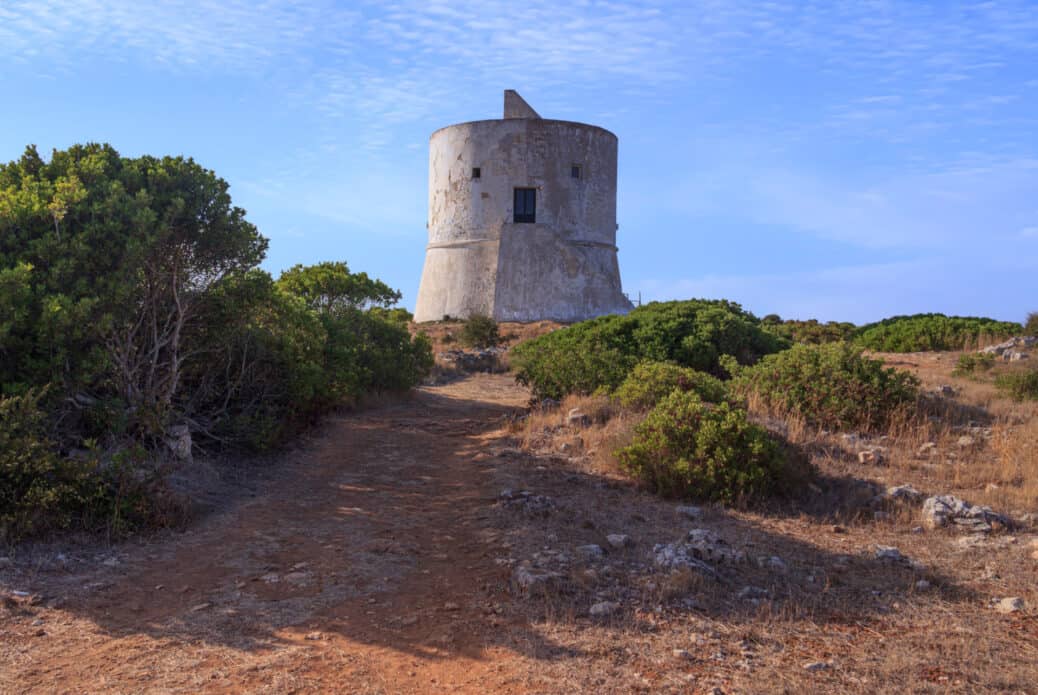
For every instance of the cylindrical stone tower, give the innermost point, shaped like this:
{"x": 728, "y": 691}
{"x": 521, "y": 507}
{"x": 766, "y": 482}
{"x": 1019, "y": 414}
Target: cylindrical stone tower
{"x": 522, "y": 220}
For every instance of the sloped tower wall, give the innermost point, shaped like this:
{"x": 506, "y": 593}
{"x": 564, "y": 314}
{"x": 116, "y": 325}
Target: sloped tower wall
{"x": 563, "y": 266}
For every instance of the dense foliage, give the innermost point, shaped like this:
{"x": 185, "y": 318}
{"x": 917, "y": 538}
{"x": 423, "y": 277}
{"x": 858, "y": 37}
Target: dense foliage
{"x": 832, "y": 386}
{"x": 1030, "y": 326}
{"x": 600, "y": 353}
{"x": 925, "y": 332}
{"x": 649, "y": 382}
{"x": 810, "y": 331}
{"x": 971, "y": 362}
{"x": 480, "y": 332}
{"x": 131, "y": 299}
{"x": 686, "y": 448}
{"x": 1019, "y": 386}
{"x": 41, "y": 490}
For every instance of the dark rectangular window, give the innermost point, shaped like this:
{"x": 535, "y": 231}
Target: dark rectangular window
{"x": 525, "y": 205}
{"x": 476, "y": 172}
{"x": 575, "y": 171}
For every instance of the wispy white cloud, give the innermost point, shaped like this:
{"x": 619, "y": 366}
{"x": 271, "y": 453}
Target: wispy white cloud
{"x": 382, "y": 64}
{"x": 202, "y": 35}
{"x": 945, "y": 208}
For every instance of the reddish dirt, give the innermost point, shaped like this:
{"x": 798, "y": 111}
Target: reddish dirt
{"x": 362, "y": 566}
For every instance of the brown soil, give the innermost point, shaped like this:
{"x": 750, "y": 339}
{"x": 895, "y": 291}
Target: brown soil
{"x": 362, "y": 567}
{"x": 378, "y": 558}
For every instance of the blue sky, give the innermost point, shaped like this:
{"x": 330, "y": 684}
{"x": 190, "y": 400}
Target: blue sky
{"x": 838, "y": 160}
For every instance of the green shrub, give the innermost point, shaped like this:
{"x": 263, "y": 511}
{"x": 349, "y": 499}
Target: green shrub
{"x": 40, "y": 491}
{"x": 480, "y": 332}
{"x": 832, "y": 386}
{"x": 970, "y": 362}
{"x": 1031, "y": 326}
{"x": 33, "y": 482}
{"x": 650, "y": 382}
{"x": 925, "y": 332}
{"x": 686, "y": 448}
{"x": 810, "y": 331}
{"x": 1019, "y": 386}
{"x": 132, "y": 287}
{"x": 600, "y": 353}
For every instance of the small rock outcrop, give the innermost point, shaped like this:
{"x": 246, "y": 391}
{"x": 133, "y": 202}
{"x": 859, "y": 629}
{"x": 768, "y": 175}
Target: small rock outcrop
{"x": 695, "y": 551}
{"x": 1012, "y": 349}
{"x": 527, "y": 502}
{"x": 945, "y": 510}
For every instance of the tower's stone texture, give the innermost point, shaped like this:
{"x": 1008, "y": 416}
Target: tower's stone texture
{"x": 483, "y": 258}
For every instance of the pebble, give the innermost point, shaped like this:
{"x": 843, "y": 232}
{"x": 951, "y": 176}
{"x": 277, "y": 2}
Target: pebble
{"x": 752, "y": 592}
{"x": 604, "y": 608}
{"x": 578, "y": 418}
{"x": 871, "y": 456}
{"x": 589, "y": 552}
{"x": 1010, "y": 605}
{"x": 690, "y": 511}
{"x": 887, "y": 552}
{"x": 773, "y": 562}
{"x": 926, "y": 449}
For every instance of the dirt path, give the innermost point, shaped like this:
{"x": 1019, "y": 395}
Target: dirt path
{"x": 363, "y": 566}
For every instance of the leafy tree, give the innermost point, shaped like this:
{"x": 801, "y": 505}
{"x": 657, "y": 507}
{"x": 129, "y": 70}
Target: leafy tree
{"x": 119, "y": 252}
{"x": 130, "y": 297}
{"x": 331, "y": 287}
{"x": 1031, "y": 326}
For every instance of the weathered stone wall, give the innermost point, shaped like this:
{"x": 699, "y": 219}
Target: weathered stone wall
{"x": 564, "y": 267}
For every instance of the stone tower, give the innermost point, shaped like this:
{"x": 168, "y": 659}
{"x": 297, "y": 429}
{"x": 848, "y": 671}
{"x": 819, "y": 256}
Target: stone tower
{"x": 522, "y": 220}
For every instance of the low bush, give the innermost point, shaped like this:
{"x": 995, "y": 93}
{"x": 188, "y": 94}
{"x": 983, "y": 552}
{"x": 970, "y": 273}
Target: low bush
{"x": 650, "y": 382}
{"x": 130, "y": 288}
{"x": 926, "y": 332}
{"x": 1019, "y": 386}
{"x": 42, "y": 491}
{"x": 971, "y": 362}
{"x": 832, "y": 386}
{"x": 1031, "y": 325}
{"x": 687, "y": 448}
{"x": 480, "y": 332}
{"x": 600, "y": 353}
{"x": 810, "y": 331}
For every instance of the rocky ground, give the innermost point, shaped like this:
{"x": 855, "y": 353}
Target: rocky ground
{"x": 455, "y": 543}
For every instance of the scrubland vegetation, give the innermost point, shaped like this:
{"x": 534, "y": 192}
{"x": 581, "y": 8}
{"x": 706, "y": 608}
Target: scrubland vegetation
{"x": 136, "y": 330}
{"x": 927, "y": 332}
{"x": 692, "y": 387}
{"x": 601, "y": 353}
{"x": 136, "y": 327}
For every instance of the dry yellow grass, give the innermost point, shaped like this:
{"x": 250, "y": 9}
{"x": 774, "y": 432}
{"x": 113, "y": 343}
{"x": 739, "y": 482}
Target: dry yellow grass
{"x": 872, "y": 625}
